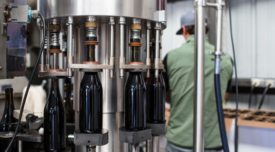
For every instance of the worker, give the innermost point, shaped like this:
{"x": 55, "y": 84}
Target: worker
{"x": 179, "y": 79}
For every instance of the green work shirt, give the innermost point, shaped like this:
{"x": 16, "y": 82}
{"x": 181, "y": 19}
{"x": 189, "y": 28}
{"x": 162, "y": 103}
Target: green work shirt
{"x": 180, "y": 72}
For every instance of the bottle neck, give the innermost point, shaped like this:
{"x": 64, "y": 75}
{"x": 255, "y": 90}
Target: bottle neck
{"x": 9, "y": 97}
{"x": 90, "y": 73}
{"x": 55, "y": 83}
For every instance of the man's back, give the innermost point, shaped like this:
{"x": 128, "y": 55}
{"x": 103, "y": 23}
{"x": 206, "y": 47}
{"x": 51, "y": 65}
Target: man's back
{"x": 180, "y": 71}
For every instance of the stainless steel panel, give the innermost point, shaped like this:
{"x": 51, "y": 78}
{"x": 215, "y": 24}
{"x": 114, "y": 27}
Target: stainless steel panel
{"x": 112, "y": 122}
{"x": 144, "y": 9}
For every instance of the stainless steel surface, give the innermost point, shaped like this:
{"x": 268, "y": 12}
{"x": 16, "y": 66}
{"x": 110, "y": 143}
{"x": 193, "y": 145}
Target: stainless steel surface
{"x": 55, "y": 61}
{"x": 20, "y": 146}
{"x": 155, "y": 143}
{"x": 149, "y": 146}
{"x": 48, "y": 44}
{"x": 148, "y": 62}
{"x": 157, "y": 49}
{"x": 42, "y": 59}
{"x": 143, "y": 9}
{"x": 70, "y": 41}
{"x": 112, "y": 43}
{"x": 19, "y": 13}
{"x": 112, "y": 122}
{"x": 134, "y": 148}
{"x": 198, "y": 138}
{"x": 122, "y": 50}
{"x": 91, "y": 19}
{"x": 53, "y": 74}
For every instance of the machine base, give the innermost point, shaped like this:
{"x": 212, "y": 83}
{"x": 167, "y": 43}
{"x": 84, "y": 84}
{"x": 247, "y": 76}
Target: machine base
{"x": 133, "y": 137}
{"x": 157, "y": 128}
{"x": 95, "y": 139}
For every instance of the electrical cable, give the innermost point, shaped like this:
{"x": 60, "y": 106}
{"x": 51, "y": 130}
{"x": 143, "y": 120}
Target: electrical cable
{"x": 250, "y": 95}
{"x": 29, "y": 84}
{"x": 262, "y": 100}
{"x": 236, "y": 79}
{"x": 218, "y": 95}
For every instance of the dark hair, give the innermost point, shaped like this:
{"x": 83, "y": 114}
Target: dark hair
{"x": 191, "y": 29}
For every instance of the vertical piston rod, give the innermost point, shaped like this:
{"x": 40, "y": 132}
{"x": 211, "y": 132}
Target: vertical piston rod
{"x": 42, "y": 55}
{"x": 112, "y": 41}
{"x": 70, "y": 41}
{"x": 148, "y": 61}
{"x": 155, "y": 143}
{"x": 198, "y": 134}
{"x": 122, "y": 54}
{"x": 157, "y": 57}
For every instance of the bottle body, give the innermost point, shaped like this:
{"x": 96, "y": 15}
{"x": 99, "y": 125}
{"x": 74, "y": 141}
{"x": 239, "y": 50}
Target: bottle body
{"x": 135, "y": 100}
{"x": 90, "y": 110}
{"x": 68, "y": 103}
{"x": 8, "y": 111}
{"x": 54, "y": 121}
{"x": 8, "y": 118}
{"x": 155, "y": 107}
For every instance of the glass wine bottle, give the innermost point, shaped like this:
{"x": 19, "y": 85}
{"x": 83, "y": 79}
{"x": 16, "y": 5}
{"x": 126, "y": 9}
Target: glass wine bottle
{"x": 135, "y": 98}
{"x": 8, "y": 111}
{"x": 90, "y": 112}
{"x": 155, "y": 107}
{"x": 67, "y": 100}
{"x": 7, "y": 118}
{"x": 54, "y": 120}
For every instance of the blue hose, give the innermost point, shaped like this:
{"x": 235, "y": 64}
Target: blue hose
{"x": 219, "y": 100}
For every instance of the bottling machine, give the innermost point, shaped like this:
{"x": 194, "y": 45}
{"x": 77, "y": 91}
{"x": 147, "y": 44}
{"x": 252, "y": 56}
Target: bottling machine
{"x": 110, "y": 44}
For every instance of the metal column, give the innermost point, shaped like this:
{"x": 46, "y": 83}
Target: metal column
{"x": 155, "y": 143}
{"x": 198, "y": 135}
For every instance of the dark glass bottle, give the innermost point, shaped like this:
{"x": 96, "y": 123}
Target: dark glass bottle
{"x": 90, "y": 110}
{"x": 155, "y": 107}
{"x": 68, "y": 101}
{"x": 54, "y": 121}
{"x": 7, "y": 118}
{"x": 8, "y": 111}
{"x": 135, "y": 100}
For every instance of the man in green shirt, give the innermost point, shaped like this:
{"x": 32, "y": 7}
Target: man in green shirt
{"x": 179, "y": 78}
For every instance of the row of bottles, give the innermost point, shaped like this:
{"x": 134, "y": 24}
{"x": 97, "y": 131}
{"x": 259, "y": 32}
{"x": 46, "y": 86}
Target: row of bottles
{"x": 140, "y": 95}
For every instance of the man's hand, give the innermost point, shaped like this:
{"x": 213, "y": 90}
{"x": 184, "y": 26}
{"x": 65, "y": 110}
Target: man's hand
{"x": 168, "y": 97}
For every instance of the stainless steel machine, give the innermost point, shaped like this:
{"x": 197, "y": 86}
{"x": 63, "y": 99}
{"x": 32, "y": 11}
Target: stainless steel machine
{"x": 113, "y": 21}
{"x": 117, "y": 31}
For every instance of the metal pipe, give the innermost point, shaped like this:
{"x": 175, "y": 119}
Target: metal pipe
{"x": 198, "y": 132}
{"x": 42, "y": 55}
{"x": 55, "y": 61}
{"x": 155, "y": 143}
{"x": 158, "y": 26}
{"x": 134, "y": 148}
{"x": 20, "y": 146}
{"x": 112, "y": 41}
{"x": 122, "y": 53}
{"x": 219, "y": 27}
{"x": 48, "y": 46}
{"x": 149, "y": 146}
{"x": 148, "y": 47}
{"x": 91, "y": 148}
{"x": 70, "y": 41}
